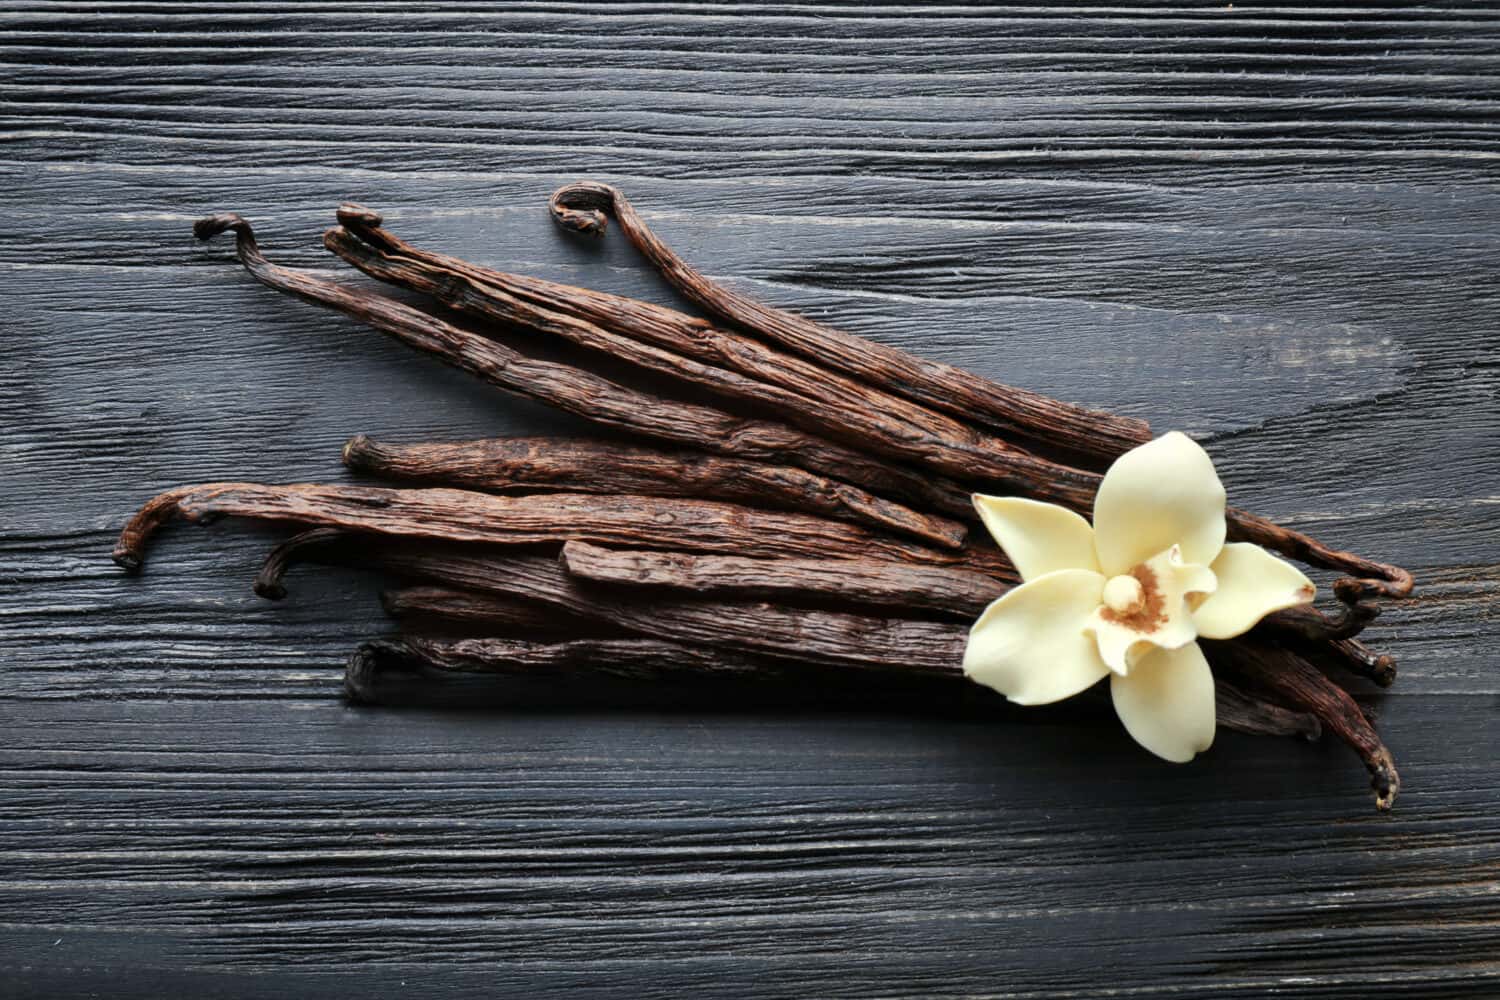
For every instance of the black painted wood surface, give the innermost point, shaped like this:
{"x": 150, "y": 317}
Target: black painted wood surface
{"x": 1274, "y": 227}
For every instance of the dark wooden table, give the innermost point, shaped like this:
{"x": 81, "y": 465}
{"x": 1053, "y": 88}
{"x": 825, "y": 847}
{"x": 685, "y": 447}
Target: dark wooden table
{"x": 1275, "y": 228}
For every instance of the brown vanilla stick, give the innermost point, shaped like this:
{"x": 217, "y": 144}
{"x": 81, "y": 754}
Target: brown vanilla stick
{"x": 903, "y": 587}
{"x": 1312, "y": 627}
{"x": 1328, "y": 639}
{"x": 799, "y": 393}
{"x": 1239, "y": 710}
{"x": 333, "y": 546}
{"x": 1371, "y": 579}
{"x": 536, "y": 519}
{"x": 1360, "y": 659}
{"x": 646, "y": 322}
{"x": 1236, "y": 709}
{"x": 654, "y": 659}
{"x": 1012, "y": 411}
{"x": 575, "y": 465}
{"x": 1289, "y": 679}
{"x": 590, "y": 396}
{"x": 798, "y": 635}
{"x": 861, "y": 582}
{"x": 419, "y": 606}
{"x": 950, "y": 448}
{"x": 865, "y": 643}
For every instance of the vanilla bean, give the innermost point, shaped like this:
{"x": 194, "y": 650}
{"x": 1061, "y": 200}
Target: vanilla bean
{"x": 1288, "y": 678}
{"x": 989, "y": 462}
{"x": 581, "y": 466}
{"x": 1331, "y": 640}
{"x": 796, "y": 635}
{"x": 590, "y": 396}
{"x": 1015, "y": 412}
{"x": 861, "y": 582}
{"x": 1312, "y": 625}
{"x": 1244, "y": 713}
{"x": 654, "y": 660}
{"x": 421, "y": 606}
{"x": 661, "y": 327}
{"x": 954, "y": 449}
{"x": 1360, "y": 659}
{"x": 303, "y": 547}
{"x": 482, "y": 518}
{"x": 478, "y": 593}
{"x": 845, "y": 411}
{"x": 777, "y": 652}
{"x": 864, "y": 582}
{"x": 336, "y": 547}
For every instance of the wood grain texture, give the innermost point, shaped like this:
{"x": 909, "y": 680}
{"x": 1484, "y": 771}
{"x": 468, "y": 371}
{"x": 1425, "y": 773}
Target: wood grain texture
{"x": 1274, "y": 227}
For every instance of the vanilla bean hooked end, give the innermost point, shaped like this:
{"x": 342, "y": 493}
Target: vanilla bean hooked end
{"x": 210, "y": 226}
{"x": 130, "y": 551}
{"x": 581, "y": 206}
{"x": 366, "y": 662}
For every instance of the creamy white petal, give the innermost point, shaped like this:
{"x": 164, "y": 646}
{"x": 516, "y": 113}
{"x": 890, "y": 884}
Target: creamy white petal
{"x": 1030, "y": 644}
{"x": 1119, "y": 647}
{"x": 1038, "y": 537}
{"x": 1167, "y": 702}
{"x": 1164, "y": 618}
{"x": 1165, "y": 492}
{"x": 1252, "y": 584}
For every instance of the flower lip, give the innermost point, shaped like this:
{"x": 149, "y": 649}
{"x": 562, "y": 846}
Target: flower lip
{"x": 1135, "y": 600}
{"x": 1161, "y": 618}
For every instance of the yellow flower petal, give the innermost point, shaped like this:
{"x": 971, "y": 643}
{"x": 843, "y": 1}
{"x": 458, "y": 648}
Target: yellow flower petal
{"x": 1163, "y": 493}
{"x": 1030, "y": 644}
{"x": 1252, "y": 584}
{"x": 1167, "y": 702}
{"x": 1038, "y": 537}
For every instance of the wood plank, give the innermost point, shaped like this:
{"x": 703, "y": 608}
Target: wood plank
{"x": 876, "y": 853}
{"x": 1273, "y": 227}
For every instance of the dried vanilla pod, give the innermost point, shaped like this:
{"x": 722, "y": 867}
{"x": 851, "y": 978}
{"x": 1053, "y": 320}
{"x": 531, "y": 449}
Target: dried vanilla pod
{"x": 578, "y": 465}
{"x": 814, "y": 515}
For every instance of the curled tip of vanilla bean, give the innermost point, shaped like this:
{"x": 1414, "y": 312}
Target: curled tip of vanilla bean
{"x": 135, "y": 537}
{"x": 366, "y": 662}
{"x": 1308, "y": 623}
{"x": 210, "y": 226}
{"x": 269, "y": 582}
{"x": 581, "y": 206}
{"x": 1385, "y": 581}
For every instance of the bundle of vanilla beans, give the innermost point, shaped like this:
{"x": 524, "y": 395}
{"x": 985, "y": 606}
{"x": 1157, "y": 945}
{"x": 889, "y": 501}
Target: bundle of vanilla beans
{"x": 813, "y": 514}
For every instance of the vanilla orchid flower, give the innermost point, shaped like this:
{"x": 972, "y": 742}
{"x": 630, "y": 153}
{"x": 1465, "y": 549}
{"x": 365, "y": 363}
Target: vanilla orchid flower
{"x": 1128, "y": 597}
